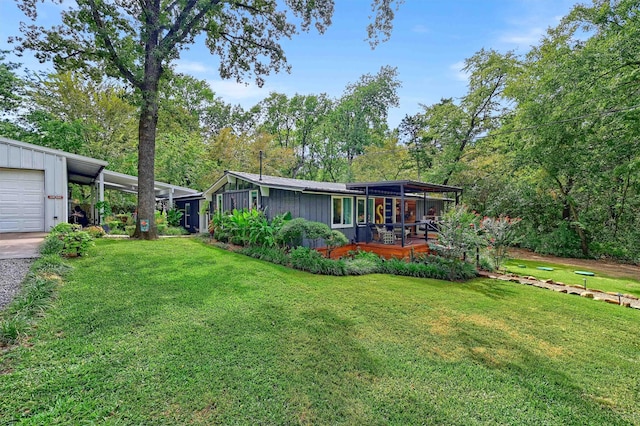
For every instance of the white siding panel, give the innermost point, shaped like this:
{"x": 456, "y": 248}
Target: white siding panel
{"x": 4, "y": 155}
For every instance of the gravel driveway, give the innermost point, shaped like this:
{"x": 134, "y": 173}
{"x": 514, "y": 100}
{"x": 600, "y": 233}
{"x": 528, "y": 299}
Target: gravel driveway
{"x": 12, "y": 272}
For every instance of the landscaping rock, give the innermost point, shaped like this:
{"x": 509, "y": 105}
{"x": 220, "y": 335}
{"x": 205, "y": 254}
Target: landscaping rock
{"x": 626, "y": 304}
{"x": 587, "y": 294}
{"x": 613, "y": 302}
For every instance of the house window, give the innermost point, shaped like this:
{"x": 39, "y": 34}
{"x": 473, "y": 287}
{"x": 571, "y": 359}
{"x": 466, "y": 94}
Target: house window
{"x": 362, "y": 213}
{"x": 219, "y": 203}
{"x": 187, "y": 214}
{"x": 341, "y": 212}
{"x": 253, "y": 200}
{"x": 360, "y": 210}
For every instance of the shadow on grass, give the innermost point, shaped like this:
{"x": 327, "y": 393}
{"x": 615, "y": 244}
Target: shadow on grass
{"x": 490, "y": 288}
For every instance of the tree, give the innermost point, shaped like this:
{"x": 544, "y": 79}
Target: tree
{"x": 450, "y": 128}
{"x": 358, "y": 119}
{"x": 577, "y": 106}
{"x": 11, "y": 86}
{"x": 391, "y": 161}
{"x": 137, "y": 41}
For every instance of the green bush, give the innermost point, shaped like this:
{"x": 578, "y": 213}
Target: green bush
{"x": 310, "y": 260}
{"x": 128, "y": 230}
{"x": 174, "y": 216}
{"x": 174, "y": 230}
{"x": 51, "y": 245}
{"x": 95, "y": 231}
{"x": 11, "y": 329}
{"x": 269, "y": 254}
{"x": 114, "y": 224}
{"x": 64, "y": 228}
{"x": 76, "y": 243}
{"x": 292, "y": 232}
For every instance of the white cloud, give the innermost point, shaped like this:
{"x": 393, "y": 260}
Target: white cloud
{"x": 458, "y": 74}
{"x": 528, "y": 37}
{"x": 420, "y": 29}
{"x": 188, "y": 67}
{"x": 231, "y": 91}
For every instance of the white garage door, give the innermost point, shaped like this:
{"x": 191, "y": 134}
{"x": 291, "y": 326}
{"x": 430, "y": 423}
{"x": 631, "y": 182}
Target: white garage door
{"x": 21, "y": 200}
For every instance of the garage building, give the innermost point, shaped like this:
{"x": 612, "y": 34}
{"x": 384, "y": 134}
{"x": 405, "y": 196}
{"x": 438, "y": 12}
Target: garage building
{"x": 34, "y": 185}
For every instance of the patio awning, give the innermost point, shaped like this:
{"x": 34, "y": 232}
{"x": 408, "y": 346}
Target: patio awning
{"x": 128, "y": 183}
{"x": 398, "y": 187}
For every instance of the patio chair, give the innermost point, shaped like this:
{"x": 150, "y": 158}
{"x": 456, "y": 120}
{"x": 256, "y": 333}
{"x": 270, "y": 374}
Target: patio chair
{"x": 380, "y": 231}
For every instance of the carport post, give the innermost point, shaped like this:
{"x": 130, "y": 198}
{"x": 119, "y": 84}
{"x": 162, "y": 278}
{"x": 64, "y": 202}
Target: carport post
{"x": 101, "y": 196}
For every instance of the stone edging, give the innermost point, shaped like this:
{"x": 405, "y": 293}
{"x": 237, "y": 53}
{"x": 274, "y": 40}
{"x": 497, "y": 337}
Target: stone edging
{"x": 626, "y": 300}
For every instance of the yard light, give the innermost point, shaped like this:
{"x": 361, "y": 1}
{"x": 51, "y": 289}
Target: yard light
{"x": 584, "y": 280}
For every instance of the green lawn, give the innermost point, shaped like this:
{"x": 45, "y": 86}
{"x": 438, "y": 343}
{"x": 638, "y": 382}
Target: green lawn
{"x": 177, "y": 332}
{"x": 566, "y": 274}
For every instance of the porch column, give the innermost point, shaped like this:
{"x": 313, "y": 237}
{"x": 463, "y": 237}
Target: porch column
{"x": 170, "y": 199}
{"x": 101, "y": 196}
{"x": 366, "y": 213}
{"x": 402, "y": 212}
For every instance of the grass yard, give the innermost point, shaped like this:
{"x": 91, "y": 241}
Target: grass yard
{"x": 177, "y": 332}
{"x": 566, "y": 274}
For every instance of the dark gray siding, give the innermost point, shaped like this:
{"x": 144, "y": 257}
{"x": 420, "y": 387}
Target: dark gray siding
{"x": 316, "y": 207}
{"x": 313, "y": 207}
{"x": 280, "y": 201}
{"x": 236, "y": 200}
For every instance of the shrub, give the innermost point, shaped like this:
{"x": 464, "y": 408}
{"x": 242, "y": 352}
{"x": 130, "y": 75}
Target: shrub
{"x": 64, "y": 228}
{"x": 269, "y": 254}
{"x": 51, "y": 245}
{"x": 174, "y": 216}
{"x": 292, "y": 232}
{"x": 175, "y": 230}
{"x": 11, "y": 329}
{"x": 459, "y": 232}
{"x": 114, "y": 224}
{"x": 499, "y": 234}
{"x": 76, "y": 243}
{"x": 362, "y": 265}
{"x": 306, "y": 259}
{"x": 95, "y": 231}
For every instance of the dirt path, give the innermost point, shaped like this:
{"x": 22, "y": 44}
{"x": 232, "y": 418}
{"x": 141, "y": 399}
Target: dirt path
{"x": 607, "y": 267}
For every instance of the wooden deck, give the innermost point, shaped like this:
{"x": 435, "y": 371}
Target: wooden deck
{"x": 412, "y": 247}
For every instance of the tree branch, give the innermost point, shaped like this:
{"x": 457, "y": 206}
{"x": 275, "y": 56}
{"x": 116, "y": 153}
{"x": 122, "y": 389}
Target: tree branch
{"x": 102, "y": 33}
{"x": 178, "y": 32}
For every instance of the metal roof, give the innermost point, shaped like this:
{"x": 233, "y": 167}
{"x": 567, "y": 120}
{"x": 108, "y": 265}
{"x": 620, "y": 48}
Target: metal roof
{"x": 85, "y": 171}
{"x": 80, "y": 169}
{"x": 398, "y": 186}
{"x": 380, "y": 188}
{"x": 128, "y": 183}
{"x": 277, "y": 182}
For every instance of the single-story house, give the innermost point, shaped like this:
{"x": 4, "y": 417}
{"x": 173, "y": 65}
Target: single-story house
{"x": 353, "y": 208}
{"x": 34, "y": 185}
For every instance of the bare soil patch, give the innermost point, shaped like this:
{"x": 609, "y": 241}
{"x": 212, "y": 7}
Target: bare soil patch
{"x": 606, "y": 267}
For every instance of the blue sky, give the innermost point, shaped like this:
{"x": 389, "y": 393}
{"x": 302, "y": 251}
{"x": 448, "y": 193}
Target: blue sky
{"x": 430, "y": 41}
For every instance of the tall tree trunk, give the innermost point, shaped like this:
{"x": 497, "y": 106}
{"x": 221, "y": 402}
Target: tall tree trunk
{"x": 147, "y": 131}
{"x": 146, "y": 161}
